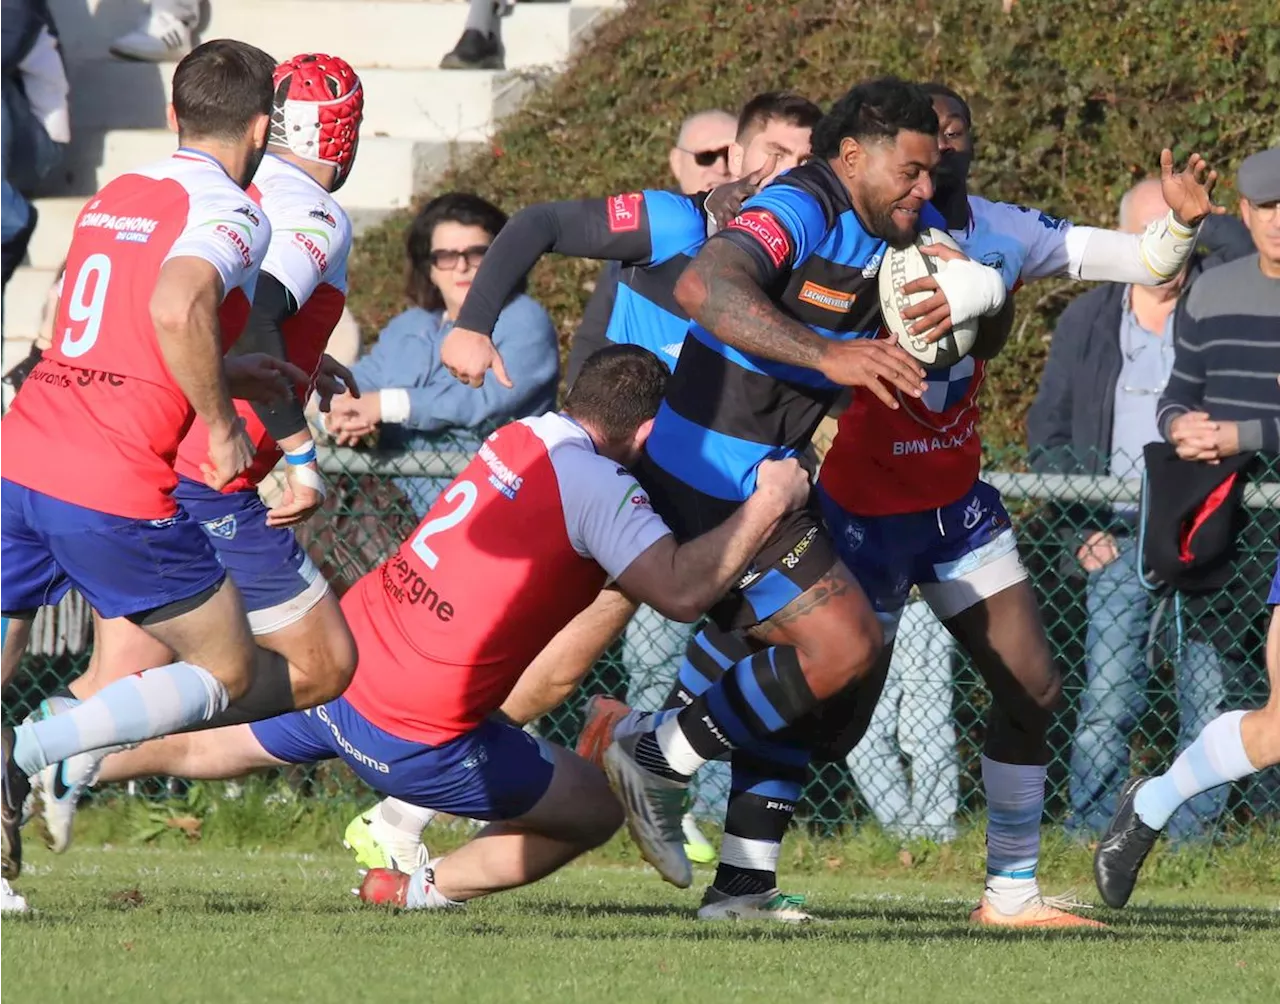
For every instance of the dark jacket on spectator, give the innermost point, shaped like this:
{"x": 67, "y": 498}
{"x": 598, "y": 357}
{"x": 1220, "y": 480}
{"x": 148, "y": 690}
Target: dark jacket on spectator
{"x": 1084, "y": 365}
{"x": 1069, "y": 432}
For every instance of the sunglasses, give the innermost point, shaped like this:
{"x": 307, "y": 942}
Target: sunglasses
{"x": 447, "y": 259}
{"x": 705, "y": 158}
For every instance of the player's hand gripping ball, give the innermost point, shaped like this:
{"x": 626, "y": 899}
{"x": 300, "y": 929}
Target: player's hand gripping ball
{"x": 900, "y": 267}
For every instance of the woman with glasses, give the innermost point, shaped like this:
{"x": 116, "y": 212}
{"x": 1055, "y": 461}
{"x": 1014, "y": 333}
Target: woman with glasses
{"x": 406, "y": 393}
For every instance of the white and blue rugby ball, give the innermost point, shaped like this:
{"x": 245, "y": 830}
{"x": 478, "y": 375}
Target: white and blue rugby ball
{"x": 899, "y": 267}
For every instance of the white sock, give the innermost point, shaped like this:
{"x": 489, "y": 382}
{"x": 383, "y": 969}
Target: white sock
{"x": 1216, "y": 757}
{"x": 1015, "y": 805}
{"x": 409, "y": 819}
{"x": 143, "y": 706}
{"x": 423, "y": 894}
{"x": 674, "y": 744}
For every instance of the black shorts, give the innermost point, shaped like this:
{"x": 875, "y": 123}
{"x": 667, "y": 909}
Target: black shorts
{"x": 794, "y": 557}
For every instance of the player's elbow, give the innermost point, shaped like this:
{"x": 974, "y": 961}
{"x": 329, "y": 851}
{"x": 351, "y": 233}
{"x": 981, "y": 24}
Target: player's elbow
{"x": 691, "y": 290}
{"x": 171, "y": 310}
{"x": 683, "y": 604}
{"x": 179, "y": 297}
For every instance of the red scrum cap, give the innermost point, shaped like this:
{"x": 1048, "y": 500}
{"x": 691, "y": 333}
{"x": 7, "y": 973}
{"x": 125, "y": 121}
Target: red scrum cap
{"x": 317, "y": 109}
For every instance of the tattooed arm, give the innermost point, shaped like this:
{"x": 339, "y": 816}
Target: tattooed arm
{"x": 721, "y": 291}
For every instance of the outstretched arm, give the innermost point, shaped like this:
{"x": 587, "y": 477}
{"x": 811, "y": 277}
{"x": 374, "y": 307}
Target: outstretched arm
{"x": 638, "y": 228}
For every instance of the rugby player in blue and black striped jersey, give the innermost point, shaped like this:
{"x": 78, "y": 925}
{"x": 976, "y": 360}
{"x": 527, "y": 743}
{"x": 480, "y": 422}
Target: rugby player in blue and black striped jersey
{"x": 793, "y": 277}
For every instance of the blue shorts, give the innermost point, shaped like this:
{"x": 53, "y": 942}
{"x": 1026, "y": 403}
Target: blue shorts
{"x": 493, "y": 772}
{"x": 122, "y": 566}
{"x": 279, "y": 583}
{"x": 957, "y": 555}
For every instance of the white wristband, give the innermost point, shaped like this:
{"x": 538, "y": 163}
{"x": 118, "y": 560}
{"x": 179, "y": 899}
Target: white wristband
{"x": 1165, "y": 246}
{"x": 308, "y": 477}
{"x": 395, "y": 405}
{"x": 972, "y": 289}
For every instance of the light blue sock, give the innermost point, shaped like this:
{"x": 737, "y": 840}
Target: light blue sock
{"x": 1015, "y": 804}
{"x": 131, "y": 710}
{"x": 1216, "y": 757}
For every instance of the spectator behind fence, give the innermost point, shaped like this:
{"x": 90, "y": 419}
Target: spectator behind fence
{"x": 1221, "y": 405}
{"x": 37, "y": 123}
{"x": 912, "y": 719}
{"x": 1095, "y": 411}
{"x": 1222, "y": 398}
{"x": 405, "y": 390}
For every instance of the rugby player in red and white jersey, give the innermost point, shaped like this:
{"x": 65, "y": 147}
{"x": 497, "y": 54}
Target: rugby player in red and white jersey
{"x": 309, "y": 655}
{"x": 519, "y": 546}
{"x": 901, "y": 494}
{"x": 90, "y": 441}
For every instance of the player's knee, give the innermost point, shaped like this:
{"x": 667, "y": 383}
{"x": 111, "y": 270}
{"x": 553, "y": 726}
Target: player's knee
{"x": 831, "y": 664}
{"x": 1046, "y": 690}
{"x": 337, "y": 666}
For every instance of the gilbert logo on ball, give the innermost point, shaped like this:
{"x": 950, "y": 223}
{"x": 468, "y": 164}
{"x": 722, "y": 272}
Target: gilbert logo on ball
{"x": 900, "y": 267}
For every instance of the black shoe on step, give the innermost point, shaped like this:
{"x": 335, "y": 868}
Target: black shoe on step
{"x": 475, "y": 51}
{"x": 1122, "y": 849}
{"x": 16, "y": 789}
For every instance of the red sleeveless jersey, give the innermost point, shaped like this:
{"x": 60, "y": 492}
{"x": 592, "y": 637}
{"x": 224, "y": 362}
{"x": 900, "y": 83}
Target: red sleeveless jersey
{"x": 519, "y": 544}
{"x": 99, "y": 420}
{"x": 923, "y": 455}
{"x": 927, "y": 453}
{"x": 310, "y": 241}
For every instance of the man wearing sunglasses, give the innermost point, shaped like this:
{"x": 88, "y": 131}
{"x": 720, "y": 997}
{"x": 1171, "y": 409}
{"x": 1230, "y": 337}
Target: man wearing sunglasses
{"x": 700, "y": 159}
{"x": 653, "y": 234}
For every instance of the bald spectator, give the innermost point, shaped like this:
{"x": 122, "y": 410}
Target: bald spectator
{"x": 700, "y": 159}
{"x": 1110, "y": 360}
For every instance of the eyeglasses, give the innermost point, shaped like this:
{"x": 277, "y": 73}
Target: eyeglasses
{"x": 446, "y": 259}
{"x": 705, "y": 158}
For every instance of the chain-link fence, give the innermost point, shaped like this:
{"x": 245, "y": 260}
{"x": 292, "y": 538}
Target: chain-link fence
{"x": 1143, "y": 669}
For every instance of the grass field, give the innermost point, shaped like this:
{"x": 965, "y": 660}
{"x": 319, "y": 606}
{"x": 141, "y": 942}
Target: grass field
{"x": 158, "y": 924}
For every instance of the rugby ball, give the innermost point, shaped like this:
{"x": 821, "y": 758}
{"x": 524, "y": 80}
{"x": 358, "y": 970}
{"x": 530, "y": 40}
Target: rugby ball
{"x": 899, "y": 267}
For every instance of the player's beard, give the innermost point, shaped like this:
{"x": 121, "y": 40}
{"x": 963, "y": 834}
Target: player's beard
{"x": 251, "y": 165}
{"x": 886, "y": 226}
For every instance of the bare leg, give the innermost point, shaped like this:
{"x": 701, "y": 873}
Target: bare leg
{"x": 17, "y": 633}
{"x": 319, "y": 649}
{"x": 1260, "y": 730}
{"x": 207, "y": 756}
{"x": 577, "y": 813}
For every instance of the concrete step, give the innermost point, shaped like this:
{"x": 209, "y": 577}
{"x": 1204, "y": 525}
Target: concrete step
{"x": 48, "y": 245}
{"x": 438, "y": 105}
{"x": 23, "y": 304}
{"x": 388, "y": 170}
{"x": 366, "y": 33}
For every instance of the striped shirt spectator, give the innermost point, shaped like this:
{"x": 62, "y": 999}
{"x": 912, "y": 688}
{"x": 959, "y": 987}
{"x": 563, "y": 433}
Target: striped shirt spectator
{"x": 1223, "y": 397}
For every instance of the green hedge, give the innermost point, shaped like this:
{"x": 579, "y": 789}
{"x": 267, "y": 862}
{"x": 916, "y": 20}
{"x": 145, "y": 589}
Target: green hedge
{"x": 1072, "y": 99}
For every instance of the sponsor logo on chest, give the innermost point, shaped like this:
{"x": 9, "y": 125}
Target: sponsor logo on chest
{"x": 826, "y": 298}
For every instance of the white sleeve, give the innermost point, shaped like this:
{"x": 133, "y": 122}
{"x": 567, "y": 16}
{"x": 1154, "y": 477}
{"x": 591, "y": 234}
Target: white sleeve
{"x": 1047, "y": 244}
{"x": 1057, "y": 247}
{"x": 607, "y": 513}
{"x": 231, "y": 233}
{"x": 310, "y": 241}
{"x": 1115, "y": 256}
